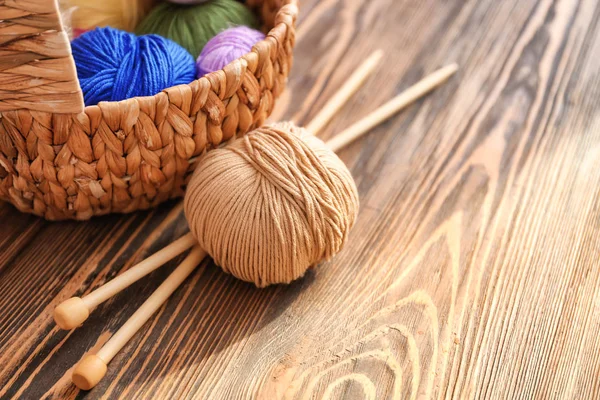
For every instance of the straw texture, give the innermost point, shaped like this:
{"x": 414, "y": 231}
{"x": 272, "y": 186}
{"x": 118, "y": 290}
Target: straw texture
{"x": 36, "y": 70}
{"x": 131, "y": 155}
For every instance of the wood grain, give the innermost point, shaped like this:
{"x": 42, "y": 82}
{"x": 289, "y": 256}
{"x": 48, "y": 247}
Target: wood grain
{"x": 472, "y": 271}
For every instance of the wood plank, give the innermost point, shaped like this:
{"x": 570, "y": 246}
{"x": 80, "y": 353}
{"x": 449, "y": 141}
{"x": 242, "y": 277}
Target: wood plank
{"x": 473, "y": 268}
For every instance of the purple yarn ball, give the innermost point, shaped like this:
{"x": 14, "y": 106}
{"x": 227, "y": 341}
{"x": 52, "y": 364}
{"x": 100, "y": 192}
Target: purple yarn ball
{"x": 226, "y": 47}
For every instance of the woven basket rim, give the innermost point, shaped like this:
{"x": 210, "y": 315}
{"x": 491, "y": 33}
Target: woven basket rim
{"x": 292, "y": 5}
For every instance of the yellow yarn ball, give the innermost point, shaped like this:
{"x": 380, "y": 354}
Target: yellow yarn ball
{"x": 271, "y": 204}
{"x": 120, "y": 14}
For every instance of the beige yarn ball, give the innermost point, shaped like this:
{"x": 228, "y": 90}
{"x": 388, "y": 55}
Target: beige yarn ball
{"x": 271, "y": 204}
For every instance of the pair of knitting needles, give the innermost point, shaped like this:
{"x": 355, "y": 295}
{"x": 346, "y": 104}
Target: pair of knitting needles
{"x": 74, "y": 311}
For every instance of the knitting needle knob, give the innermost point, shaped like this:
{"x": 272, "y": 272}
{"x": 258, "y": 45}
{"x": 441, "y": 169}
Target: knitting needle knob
{"x": 89, "y": 371}
{"x": 71, "y": 313}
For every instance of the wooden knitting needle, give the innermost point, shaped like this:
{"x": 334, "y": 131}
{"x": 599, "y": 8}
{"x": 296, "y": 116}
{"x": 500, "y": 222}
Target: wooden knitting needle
{"x": 74, "y": 311}
{"x": 392, "y": 107}
{"x": 341, "y": 97}
{"x": 92, "y": 368}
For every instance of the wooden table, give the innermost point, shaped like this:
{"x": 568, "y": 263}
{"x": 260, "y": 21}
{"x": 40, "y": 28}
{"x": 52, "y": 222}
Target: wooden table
{"x": 473, "y": 270}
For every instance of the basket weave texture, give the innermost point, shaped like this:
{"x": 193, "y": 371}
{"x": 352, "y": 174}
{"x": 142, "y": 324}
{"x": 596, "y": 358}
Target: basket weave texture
{"x": 60, "y": 163}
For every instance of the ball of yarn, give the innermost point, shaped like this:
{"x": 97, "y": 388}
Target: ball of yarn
{"x": 120, "y": 14}
{"x": 193, "y": 26}
{"x": 271, "y": 204}
{"x": 227, "y": 46}
{"x": 115, "y": 65}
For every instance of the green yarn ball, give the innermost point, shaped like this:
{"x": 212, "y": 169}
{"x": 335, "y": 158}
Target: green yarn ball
{"x": 192, "y": 26}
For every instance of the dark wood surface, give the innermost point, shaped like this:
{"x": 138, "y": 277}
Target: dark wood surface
{"x": 473, "y": 270}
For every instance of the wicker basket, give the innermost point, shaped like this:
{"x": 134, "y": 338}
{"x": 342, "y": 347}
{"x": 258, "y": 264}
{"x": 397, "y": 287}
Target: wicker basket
{"x": 60, "y": 160}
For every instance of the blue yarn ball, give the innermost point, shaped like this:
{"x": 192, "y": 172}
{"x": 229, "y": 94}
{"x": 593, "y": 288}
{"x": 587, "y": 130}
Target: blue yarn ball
{"x": 114, "y": 65}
